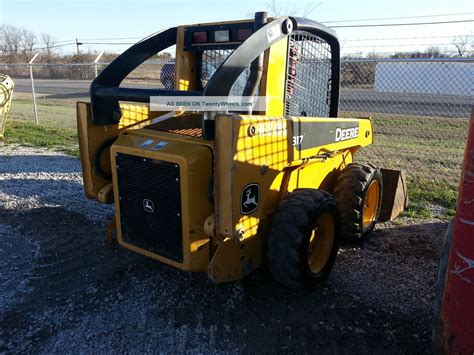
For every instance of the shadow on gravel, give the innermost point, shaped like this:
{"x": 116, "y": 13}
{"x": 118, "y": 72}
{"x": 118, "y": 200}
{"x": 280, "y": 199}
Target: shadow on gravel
{"x": 45, "y": 190}
{"x": 86, "y": 296}
{"x": 407, "y": 241}
{"x": 40, "y": 164}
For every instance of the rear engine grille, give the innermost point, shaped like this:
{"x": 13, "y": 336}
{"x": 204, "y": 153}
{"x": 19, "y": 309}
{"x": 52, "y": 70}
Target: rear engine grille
{"x": 150, "y": 205}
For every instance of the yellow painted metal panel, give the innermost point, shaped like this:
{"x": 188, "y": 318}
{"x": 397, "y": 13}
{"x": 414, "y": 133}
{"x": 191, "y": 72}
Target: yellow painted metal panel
{"x": 185, "y": 64}
{"x": 92, "y": 136}
{"x": 258, "y": 149}
{"x": 273, "y": 79}
{"x": 195, "y": 162}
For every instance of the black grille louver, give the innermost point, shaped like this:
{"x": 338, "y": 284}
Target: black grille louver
{"x": 150, "y": 205}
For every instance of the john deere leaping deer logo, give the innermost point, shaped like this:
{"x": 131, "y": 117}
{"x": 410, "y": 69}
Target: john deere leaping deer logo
{"x": 249, "y": 198}
{"x": 148, "y": 205}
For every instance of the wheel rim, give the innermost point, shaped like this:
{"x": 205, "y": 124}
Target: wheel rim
{"x": 321, "y": 242}
{"x": 371, "y": 204}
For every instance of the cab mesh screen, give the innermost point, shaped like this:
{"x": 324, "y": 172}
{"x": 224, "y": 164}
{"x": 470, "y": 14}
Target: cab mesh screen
{"x": 211, "y": 60}
{"x": 308, "y": 80}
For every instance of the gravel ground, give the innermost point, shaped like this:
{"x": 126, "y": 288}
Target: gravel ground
{"x": 64, "y": 289}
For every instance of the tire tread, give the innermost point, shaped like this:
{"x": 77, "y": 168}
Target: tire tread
{"x": 290, "y": 225}
{"x": 349, "y": 191}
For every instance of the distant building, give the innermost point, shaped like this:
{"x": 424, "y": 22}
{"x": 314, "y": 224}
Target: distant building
{"x": 445, "y": 78}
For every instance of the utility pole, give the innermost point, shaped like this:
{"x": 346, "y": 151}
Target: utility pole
{"x": 77, "y": 46}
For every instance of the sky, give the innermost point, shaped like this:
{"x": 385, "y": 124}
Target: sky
{"x": 92, "y": 21}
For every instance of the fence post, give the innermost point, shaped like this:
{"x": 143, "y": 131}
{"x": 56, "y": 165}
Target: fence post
{"x": 96, "y": 61}
{"x": 30, "y": 64}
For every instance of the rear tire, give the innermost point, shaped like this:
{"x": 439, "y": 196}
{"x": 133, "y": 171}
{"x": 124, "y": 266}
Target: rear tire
{"x": 303, "y": 240}
{"x": 358, "y": 192}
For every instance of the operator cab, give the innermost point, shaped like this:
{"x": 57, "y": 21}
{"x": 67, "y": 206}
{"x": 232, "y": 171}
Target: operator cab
{"x": 232, "y": 59}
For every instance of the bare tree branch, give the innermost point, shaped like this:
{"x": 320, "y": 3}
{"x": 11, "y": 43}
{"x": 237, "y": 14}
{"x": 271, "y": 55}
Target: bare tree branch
{"x": 49, "y": 42}
{"x": 309, "y": 8}
{"x": 28, "y": 42}
{"x": 11, "y": 39}
{"x": 306, "y": 10}
{"x": 461, "y": 43}
{"x": 273, "y": 8}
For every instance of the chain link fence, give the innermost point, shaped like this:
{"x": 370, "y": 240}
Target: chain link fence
{"x": 420, "y": 107}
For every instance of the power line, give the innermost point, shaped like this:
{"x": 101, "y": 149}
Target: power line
{"x": 324, "y": 22}
{"x": 62, "y": 41}
{"x": 73, "y": 40}
{"x": 109, "y": 39}
{"x": 111, "y": 43}
{"x": 57, "y": 46}
{"x": 399, "y": 18}
{"x": 401, "y": 24}
{"x": 349, "y": 40}
{"x": 400, "y": 45}
{"x": 37, "y": 48}
{"x": 404, "y": 38}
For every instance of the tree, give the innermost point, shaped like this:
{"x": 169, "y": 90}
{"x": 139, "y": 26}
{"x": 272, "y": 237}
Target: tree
{"x": 433, "y": 52}
{"x": 461, "y": 43}
{"x": 16, "y": 43}
{"x": 27, "y": 44}
{"x": 49, "y": 44}
{"x": 275, "y": 9}
{"x": 10, "y": 42}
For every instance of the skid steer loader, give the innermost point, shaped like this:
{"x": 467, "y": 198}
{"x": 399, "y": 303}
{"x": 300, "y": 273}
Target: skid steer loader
{"x": 225, "y": 192}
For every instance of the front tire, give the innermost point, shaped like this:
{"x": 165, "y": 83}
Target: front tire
{"x": 303, "y": 240}
{"x": 358, "y": 192}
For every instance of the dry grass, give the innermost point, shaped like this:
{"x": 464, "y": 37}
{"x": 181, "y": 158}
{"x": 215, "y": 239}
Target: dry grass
{"x": 429, "y": 149}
